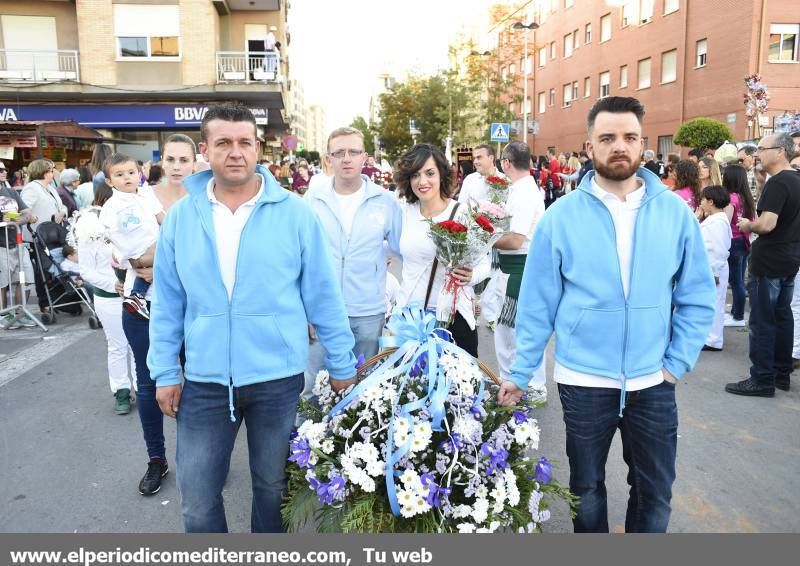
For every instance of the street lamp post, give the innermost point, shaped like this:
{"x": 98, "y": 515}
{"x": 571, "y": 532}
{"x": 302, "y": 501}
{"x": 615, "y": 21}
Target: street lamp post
{"x": 525, "y": 72}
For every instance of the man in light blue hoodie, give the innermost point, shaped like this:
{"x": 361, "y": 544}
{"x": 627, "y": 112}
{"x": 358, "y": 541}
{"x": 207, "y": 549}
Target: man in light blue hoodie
{"x": 358, "y": 216}
{"x": 241, "y": 269}
{"x": 619, "y": 271}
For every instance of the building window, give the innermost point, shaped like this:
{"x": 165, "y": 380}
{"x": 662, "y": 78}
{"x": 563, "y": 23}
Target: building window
{"x": 623, "y": 76}
{"x": 605, "y": 28}
{"x": 629, "y": 13}
{"x": 669, "y": 66}
{"x": 568, "y": 45}
{"x": 575, "y": 93}
{"x": 512, "y": 70}
{"x": 605, "y": 84}
{"x": 528, "y": 106}
{"x": 587, "y": 34}
{"x": 567, "y": 94}
{"x": 575, "y": 39}
{"x": 587, "y": 87}
{"x": 648, "y": 6}
{"x": 503, "y": 73}
{"x": 542, "y": 56}
{"x": 702, "y": 53}
{"x": 643, "y": 73}
{"x": 552, "y": 100}
{"x": 671, "y": 6}
{"x": 552, "y": 49}
{"x": 664, "y": 145}
{"x": 783, "y": 40}
{"x": 542, "y": 102}
{"x": 145, "y": 31}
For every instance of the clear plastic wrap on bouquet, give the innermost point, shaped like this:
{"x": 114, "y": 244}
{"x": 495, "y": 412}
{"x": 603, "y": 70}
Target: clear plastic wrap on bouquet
{"x": 460, "y": 250}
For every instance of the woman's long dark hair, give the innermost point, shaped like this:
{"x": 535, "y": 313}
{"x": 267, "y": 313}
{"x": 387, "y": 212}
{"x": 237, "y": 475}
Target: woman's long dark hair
{"x": 734, "y": 179}
{"x": 688, "y": 175}
{"x": 412, "y": 161}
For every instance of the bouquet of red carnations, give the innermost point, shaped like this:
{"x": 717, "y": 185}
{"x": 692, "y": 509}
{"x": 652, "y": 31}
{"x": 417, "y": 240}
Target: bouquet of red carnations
{"x": 498, "y": 189}
{"x": 461, "y": 244}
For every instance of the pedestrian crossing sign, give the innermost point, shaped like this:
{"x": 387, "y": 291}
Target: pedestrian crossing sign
{"x": 499, "y": 132}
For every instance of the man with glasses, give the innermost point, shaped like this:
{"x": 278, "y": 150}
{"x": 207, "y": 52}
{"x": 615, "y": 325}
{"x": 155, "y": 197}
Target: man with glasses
{"x": 357, "y": 216}
{"x": 774, "y": 262}
{"x": 747, "y": 157}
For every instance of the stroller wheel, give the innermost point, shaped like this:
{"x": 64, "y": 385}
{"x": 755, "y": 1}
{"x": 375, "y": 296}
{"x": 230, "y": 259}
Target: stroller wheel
{"x": 48, "y": 318}
{"x": 94, "y": 324}
{"x": 77, "y": 312}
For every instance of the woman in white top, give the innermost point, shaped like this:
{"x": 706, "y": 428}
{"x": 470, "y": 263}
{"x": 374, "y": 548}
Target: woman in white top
{"x": 425, "y": 181}
{"x": 94, "y": 259}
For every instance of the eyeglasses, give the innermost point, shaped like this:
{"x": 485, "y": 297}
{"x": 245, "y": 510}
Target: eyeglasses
{"x": 340, "y": 153}
{"x": 766, "y": 148}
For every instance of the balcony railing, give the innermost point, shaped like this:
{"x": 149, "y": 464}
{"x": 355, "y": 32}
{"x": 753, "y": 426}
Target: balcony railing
{"x": 17, "y": 65}
{"x": 248, "y": 67}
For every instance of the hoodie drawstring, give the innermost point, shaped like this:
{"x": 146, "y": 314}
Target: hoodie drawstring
{"x": 622, "y": 397}
{"x": 230, "y": 401}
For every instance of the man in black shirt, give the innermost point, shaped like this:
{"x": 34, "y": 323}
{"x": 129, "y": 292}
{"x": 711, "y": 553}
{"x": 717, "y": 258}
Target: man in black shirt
{"x": 774, "y": 261}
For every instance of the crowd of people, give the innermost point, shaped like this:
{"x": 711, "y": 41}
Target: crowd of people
{"x": 625, "y": 258}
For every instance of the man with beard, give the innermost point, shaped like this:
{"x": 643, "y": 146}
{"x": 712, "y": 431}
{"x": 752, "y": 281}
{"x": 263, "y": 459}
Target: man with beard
{"x": 630, "y": 312}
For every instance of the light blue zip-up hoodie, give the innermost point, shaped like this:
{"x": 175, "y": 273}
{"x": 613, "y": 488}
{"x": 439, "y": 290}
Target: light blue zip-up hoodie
{"x": 572, "y": 284}
{"x": 284, "y": 280}
{"x": 360, "y": 260}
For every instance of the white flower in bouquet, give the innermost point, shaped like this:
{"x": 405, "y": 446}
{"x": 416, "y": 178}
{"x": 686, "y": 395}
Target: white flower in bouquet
{"x": 466, "y": 528}
{"x": 512, "y": 492}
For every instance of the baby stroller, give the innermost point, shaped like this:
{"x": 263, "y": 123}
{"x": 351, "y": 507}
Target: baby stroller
{"x": 61, "y": 291}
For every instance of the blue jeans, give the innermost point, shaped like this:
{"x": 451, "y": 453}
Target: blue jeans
{"x": 771, "y": 328}
{"x": 137, "y": 331}
{"x": 206, "y": 437}
{"x": 649, "y": 429}
{"x": 737, "y": 267}
{"x": 140, "y": 287}
{"x": 366, "y": 331}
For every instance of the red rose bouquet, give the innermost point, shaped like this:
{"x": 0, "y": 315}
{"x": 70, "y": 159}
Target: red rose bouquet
{"x": 460, "y": 244}
{"x": 498, "y": 189}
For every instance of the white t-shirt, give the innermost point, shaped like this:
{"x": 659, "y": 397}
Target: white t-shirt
{"x": 716, "y": 231}
{"x": 525, "y": 204}
{"x": 473, "y": 187}
{"x": 348, "y": 205}
{"x": 319, "y": 179}
{"x": 228, "y": 228}
{"x": 624, "y": 215}
{"x": 130, "y": 222}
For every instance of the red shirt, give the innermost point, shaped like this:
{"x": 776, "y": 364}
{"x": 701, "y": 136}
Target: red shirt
{"x": 555, "y": 167}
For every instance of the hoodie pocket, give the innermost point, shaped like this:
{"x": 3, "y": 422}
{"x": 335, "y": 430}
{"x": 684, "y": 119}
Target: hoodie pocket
{"x": 258, "y": 347}
{"x": 595, "y": 341}
{"x": 207, "y": 347}
{"x": 647, "y": 339}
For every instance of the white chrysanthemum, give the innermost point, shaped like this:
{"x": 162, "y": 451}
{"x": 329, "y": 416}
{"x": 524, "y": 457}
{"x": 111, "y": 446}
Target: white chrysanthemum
{"x": 512, "y": 492}
{"x": 313, "y": 432}
{"x": 375, "y": 468}
{"x": 409, "y": 478}
{"x": 461, "y": 511}
{"x": 481, "y": 492}
{"x": 467, "y": 528}
{"x": 480, "y": 510}
{"x": 493, "y": 526}
{"x": 421, "y": 506}
{"x": 422, "y": 437}
{"x": 544, "y": 516}
{"x": 402, "y": 426}
{"x": 327, "y": 446}
{"x": 467, "y": 427}
{"x": 408, "y": 511}
{"x": 321, "y": 383}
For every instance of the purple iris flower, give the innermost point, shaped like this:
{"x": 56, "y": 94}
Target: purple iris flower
{"x": 497, "y": 458}
{"x": 419, "y": 365}
{"x": 544, "y": 471}
{"x": 436, "y": 495}
{"x": 477, "y": 412}
{"x": 360, "y": 361}
{"x": 455, "y": 441}
{"x": 327, "y": 492}
{"x": 300, "y": 452}
{"x": 520, "y": 416}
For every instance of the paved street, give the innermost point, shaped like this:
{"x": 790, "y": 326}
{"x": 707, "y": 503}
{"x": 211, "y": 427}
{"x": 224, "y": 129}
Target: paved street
{"x": 69, "y": 464}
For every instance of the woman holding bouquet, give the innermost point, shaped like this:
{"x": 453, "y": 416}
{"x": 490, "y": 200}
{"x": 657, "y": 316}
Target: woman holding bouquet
{"x": 425, "y": 182}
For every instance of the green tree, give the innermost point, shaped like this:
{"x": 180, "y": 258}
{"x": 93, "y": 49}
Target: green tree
{"x": 359, "y": 123}
{"x": 703, "y": 133}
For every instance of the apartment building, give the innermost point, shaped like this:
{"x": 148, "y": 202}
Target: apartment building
{"x": 297, "y": 112}
{"x": 316, "y": 129}
{"x": 141, "y": 70}
{"x": 682, "y": 58}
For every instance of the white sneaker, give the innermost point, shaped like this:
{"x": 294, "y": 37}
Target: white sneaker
{"x": 732, "y": 322}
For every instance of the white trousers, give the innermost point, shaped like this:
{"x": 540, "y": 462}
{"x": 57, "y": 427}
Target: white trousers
{"x": 121, "y": 367}
{"x": 715, "y": 336}
{"x": 505, "y": 346}
{"x": 796, "y": 314}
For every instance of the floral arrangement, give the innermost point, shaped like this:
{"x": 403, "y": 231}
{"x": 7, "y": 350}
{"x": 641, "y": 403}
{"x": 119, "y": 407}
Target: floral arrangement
{"x": 84, "y": 226}
{"x": 419, "y": 445}
{"x": 460, "y": 245}
{"x": 498, "y": 189}
{"x": 384, "y": 179}
{"x": 496, "y": 213}
{"x": 756, "y": 99}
